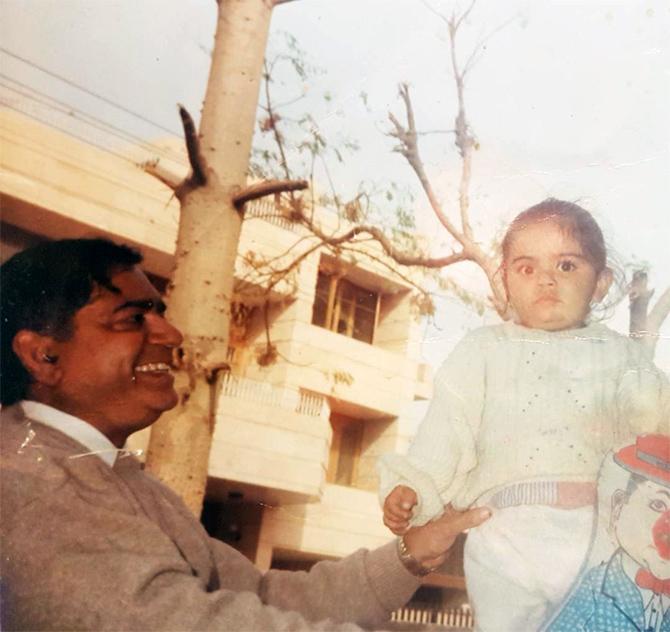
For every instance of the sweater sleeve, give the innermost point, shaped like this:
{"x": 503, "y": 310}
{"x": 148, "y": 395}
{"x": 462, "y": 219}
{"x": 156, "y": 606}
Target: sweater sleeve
{"x": 76, "y": 557}
{"x": 643, "y": 394}
{"x": 364, "y": 587}
{"x": 443, "y": 450}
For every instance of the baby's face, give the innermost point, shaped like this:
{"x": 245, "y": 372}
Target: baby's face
{"x": 642, "y": 528}
{"x": 550, "y": 283}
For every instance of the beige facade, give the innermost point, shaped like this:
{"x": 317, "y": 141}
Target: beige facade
{"x": 296, "y": 441}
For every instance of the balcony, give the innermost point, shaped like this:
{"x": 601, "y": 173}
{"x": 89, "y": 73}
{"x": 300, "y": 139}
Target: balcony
{"x": 270, "y": 437}
{"x": 359, "y": 379}
{"x": 345, "y": 519}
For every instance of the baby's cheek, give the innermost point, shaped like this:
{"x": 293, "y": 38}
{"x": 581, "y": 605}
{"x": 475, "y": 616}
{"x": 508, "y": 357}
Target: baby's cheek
{"x": 661, "y": 534}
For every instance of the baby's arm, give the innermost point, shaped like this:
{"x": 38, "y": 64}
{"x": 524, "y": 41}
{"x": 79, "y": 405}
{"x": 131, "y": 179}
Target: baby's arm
{"x": 443, "y": 450}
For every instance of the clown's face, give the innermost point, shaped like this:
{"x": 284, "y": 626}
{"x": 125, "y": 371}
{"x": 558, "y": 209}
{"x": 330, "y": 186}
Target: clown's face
{"x": 642, "y": 527}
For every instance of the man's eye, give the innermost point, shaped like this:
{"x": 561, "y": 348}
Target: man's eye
{"x": 658, "y": 506}
{"x": 566, "y": 266}
{"x": 138, "y": 318}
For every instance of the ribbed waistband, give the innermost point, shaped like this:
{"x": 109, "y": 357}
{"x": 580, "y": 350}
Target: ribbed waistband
{"x": 561, "y": 494}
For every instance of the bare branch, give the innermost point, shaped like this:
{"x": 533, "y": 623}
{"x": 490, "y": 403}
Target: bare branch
{"x": 435, "y": 11}
{"x": 645, "y": 325}
{"x": 198, "y": 177}
{"x": 387, "y": 265}
{"x": 410, "y": 150}
{"x": 272, "y": 118}
{"x": 377, "y": 234}
{"x": 268, "y": 187}
{"x": 639, "y": 295}
{"x": 464, "y": 16}
{"x": 154, "y": 168}
{"x": 659, "y": 312}
{"x": 657, "y": 317}
{"x": 471, "y": 59}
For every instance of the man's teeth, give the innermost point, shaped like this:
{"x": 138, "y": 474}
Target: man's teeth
{"x": 152, "y": 367}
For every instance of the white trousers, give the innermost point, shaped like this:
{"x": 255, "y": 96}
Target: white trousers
{"x": 520, "y": 564}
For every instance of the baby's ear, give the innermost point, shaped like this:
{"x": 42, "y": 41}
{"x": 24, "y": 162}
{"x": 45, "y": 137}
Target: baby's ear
{"x": 603, "y": 284}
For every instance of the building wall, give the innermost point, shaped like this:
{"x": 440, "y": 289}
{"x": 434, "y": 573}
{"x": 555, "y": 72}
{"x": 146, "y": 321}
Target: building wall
{"x": 275, "y": 423}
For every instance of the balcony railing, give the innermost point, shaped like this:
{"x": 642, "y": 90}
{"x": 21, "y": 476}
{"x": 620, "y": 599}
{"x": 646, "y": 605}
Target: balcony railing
{"x": 266, "y": 209}
{"x": 450, "y": 618}
{"x": 301, "y": 401}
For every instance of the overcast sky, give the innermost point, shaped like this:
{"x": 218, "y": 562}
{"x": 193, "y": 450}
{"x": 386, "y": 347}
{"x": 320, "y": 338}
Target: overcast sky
{"x": 569, "y": 99}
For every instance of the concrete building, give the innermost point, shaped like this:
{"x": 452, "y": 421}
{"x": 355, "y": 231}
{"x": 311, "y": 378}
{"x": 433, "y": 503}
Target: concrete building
{"x": 292, "y": 467}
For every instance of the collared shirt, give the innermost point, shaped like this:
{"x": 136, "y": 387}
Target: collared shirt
{"x": 655, "y": 605}
{"x": 73, "y": 427}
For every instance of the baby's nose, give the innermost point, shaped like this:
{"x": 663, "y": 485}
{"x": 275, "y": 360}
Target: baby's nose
{"x": 546, "y": 277}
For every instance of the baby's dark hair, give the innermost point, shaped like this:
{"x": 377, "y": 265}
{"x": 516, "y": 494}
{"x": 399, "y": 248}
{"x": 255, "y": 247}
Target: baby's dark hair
{"x": 572, "y": 218}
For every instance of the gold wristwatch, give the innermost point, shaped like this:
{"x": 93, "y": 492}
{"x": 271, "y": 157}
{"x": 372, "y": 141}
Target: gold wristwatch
{"x": 410, "y": 562}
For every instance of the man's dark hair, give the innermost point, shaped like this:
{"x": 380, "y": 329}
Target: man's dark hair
{"x": 42, "y": 289}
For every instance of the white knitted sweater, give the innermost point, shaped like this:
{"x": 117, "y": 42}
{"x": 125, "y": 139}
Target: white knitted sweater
{"x": 513, "y": 404}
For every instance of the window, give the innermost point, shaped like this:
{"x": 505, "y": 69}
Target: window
{"x": 345, "y": 450}
{"x": 343, "y": 307}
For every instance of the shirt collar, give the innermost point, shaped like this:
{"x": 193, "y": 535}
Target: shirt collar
{"x": 631, "y": 567}
{"x": 73, "y": 427}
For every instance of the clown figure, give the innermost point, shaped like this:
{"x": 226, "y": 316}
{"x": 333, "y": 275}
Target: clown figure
{"x": 631, "y": 590}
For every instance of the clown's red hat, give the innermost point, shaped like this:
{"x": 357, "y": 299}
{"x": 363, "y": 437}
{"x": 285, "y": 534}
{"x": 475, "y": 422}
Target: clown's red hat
{"x": 649, "y": 457}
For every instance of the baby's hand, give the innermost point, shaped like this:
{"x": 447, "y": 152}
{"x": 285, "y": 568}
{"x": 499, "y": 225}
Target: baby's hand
{"x": 398, "y": 508}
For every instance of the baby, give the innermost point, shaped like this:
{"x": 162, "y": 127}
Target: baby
{"x": 521, "y": 417}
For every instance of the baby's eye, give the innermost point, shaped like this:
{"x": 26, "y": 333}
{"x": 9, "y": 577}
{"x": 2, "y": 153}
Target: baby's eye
{"x": 566, "y": 266}
{"x": 657, "y": 505}
{"x": 526, "y": 270}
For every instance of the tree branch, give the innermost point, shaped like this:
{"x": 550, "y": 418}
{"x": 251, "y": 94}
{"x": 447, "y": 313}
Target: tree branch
{"x": 154, "y": 168}
{"x": 657, "y": 317}
{"x": 639, "y": 296}
{"x": 645, "y": 325}
{"x": 410, "y": 150}
{"x": 198, "y": 177}
{"x": 272, "y": 122}
{"x": 394, "y": 253}
{"x": 269, "y": 187}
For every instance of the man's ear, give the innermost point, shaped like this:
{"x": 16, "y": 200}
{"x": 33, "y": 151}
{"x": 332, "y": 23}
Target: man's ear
{"x": 38, "y": 355}
{"x": 603, "y": 284}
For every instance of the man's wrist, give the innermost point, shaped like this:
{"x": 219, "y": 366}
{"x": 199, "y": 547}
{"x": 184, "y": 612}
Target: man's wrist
{"x": 413, "y": 565}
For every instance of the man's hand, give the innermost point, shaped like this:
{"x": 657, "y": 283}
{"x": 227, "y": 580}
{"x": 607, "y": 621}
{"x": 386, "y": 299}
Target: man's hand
{"x": 398, "y": 508}
{"x": 430, "y": 543}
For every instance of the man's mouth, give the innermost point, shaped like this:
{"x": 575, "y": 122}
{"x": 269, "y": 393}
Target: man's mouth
{"x": 153, "y": 367}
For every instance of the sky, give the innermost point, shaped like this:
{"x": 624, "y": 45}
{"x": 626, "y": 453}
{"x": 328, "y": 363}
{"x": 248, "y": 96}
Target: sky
{"x": 568, "y": 99}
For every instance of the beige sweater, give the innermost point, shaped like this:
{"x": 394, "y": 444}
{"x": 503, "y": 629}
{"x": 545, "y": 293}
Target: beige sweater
{"x": 89, "y": 547}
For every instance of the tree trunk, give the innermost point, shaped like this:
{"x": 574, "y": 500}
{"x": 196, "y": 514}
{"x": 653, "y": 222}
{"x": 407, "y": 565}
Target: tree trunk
{"x": 200, "y": 294}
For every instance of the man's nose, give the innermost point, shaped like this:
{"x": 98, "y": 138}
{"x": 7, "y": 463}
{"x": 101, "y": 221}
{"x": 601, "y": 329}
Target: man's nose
{"x": 162, "y": 332}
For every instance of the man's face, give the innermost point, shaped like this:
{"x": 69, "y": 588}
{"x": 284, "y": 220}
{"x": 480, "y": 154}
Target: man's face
{"x": 115, "y": 369}
{"x": 549, "y": 281}
{"x": 642, "y": 527}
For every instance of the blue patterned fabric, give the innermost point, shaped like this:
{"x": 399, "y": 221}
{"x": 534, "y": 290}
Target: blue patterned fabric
{"x": 606, "y": 600}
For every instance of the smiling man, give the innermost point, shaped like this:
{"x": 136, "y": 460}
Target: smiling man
{"x": 92, "y": 542}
